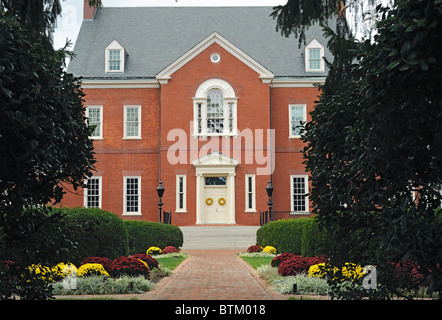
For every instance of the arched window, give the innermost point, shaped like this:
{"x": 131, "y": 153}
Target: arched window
{"x": 215, "y": 109}
{"x": 215, "y": 112}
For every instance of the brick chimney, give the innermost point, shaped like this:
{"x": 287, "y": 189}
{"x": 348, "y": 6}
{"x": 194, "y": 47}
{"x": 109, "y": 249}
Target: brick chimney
{"x": 88, "y": 11}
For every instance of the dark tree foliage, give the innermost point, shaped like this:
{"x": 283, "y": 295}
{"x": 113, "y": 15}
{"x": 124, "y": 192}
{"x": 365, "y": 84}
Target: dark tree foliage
{"x": 38, "y": 15}
{"x": 374, "y": 146}
{"x": 297, "y": 15}
{"x": 44, "y": 139}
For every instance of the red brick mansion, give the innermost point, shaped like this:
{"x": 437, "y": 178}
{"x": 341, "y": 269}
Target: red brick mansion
{"x": 207, "y": 100}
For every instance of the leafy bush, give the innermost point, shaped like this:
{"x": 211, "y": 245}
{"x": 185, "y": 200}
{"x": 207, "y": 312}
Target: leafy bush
{"x": 255, "y": 248}
{"x": 169, "y": 249}
{"x": 313, "y": 240}
{"x": 96, "y": 285}
{"x": 129, "y": 266}
{"x": 270, "y": 250}
{"x": 305, "y": 285}
{"x": 151, "y": 262}
{"x": 286, "y": 234}
{"x": 293, "y": 266}
{"x": 92, "y": 269}
{"x": 280, "y": 258}
{"x": 145, "y": 234}
{"x": 95, "y": 232}
{"x": 296, "y": 264}
{"x": 153, "y": 251}
{"x": 105, "y": 262}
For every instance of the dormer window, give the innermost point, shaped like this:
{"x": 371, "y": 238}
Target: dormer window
{"x": 115, "y": 55}
{"x": 314, "y": 57}
{"x": 114, "y": 60}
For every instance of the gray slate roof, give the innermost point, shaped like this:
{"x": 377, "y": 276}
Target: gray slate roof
{"x": 154, "y": 37}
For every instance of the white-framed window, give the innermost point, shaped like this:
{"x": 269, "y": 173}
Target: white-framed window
{"x": 299, "y": 193}
{"x": 132, "y": 122}
{"x": 92, "y": 193}
{"x": 94, "y": 115}
{"x": 181, "y": 193}
{"x": 115, "y": 57}
{"x": 297, "y": 116}
{"x": 314, "y": 57}
{"x": 132, "y": 195}
{"x": 215, "y": 109}
{"x": 250, "y": 193}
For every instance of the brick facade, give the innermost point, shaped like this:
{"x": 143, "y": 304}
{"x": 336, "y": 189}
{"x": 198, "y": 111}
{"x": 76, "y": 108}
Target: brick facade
{"x": 169, "y": 105}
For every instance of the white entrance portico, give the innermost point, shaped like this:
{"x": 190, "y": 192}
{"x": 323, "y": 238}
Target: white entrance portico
{"x": 215, "y": 189}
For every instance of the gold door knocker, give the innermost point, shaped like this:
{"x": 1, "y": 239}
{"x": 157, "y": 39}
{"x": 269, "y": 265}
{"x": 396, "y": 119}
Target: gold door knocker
{"x": 209, "y": 201}
{"x": 221, "y": 201}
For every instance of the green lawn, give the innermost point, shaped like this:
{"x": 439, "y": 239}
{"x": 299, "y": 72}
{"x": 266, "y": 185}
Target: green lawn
{"x": 256, "y": 262}
{"x": 171, "y": 261}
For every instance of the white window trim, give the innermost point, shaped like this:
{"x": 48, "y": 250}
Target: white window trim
{"x": 101, "y": 121}
{"x": 125, "y": 136}
{"x": 307, "y": 205}
{"x": 184, "y": 208}
{"x": 247, "y": 209}
{"x": 228, "y": 98}
{"x": 304, "y": 106}
{"x": 100, "y": 190}
{"x": 314, "y": 44}
{"x": 125, "y": 213}
{"x": 114, "y": 45}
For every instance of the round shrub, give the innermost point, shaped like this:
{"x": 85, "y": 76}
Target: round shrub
{"x": 255, "y": 248}
{"x": 129, "y": 266}
{"x": 280, "y": 258}
{"x": 293, "y": 266}
{"x": 283, "y": 234}
{"x": 91, "y": 269}
{"x": 313, "y": 240}
{"x": 153, "y": 251}
{"x": 64, "y": 269}
{"x": 269, "y": 249}
{"x": 151, "y": 262}
{"x": 94, "y": 232}
{"x": 169, "y": 249}
{"x": 105, "y": 262}
{"x": 145, "y": 234}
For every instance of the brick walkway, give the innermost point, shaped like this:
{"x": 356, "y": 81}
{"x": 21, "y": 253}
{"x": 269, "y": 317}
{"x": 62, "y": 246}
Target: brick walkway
{"x": 214, "y": 275}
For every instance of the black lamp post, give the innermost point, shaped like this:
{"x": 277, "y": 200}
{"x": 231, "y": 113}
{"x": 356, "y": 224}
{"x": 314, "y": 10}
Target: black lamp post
{"x": 269, "y": 189}
{"x": 160, "y": 191}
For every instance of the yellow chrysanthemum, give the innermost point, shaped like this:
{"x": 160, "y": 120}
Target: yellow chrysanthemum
{"x": 92, "y": 269}
{"x": 269, "y": 249}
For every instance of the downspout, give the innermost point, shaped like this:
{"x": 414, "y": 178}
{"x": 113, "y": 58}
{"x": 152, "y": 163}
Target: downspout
{"x": 271, "y": 153}
{"x": 159, "y": 135}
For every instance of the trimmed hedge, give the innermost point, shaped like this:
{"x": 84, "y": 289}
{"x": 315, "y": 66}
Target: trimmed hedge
{"x": 297, "y": 236}
{"x": 144, "y": 234}
{"x": 95, "y": 233}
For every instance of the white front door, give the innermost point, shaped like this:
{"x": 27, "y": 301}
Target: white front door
{"x": 216, "y": 208}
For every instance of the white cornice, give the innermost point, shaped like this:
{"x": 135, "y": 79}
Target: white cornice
{"x": 215, "y": 159}
{"x": 119, "y": 83}
{"x": 165, "y": 75}
{"x": 297, "y": 83}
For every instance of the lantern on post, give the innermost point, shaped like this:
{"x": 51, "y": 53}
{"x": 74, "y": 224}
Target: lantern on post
{"x": 160, "y": 191}
{"x": 269, "y": 189}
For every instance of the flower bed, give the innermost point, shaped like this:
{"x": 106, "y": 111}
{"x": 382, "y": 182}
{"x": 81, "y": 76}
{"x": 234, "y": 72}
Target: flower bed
{"x": 101, "y": 275}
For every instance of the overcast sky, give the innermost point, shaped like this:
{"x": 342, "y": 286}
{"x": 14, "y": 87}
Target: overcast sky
{"x": 69, "y": 23}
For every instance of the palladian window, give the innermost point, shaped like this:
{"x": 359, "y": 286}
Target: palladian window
{"x": 215, "y": 109}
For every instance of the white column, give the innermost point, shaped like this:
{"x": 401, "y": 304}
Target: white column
{"x": 199, "y": 205}
{"x": 232, "y": 198}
